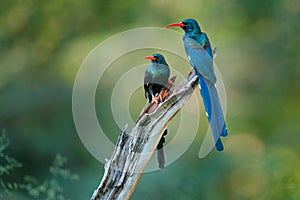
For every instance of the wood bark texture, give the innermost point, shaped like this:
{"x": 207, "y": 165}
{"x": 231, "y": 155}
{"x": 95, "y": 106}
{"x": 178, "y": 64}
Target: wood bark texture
{"x": 134, "y": 149}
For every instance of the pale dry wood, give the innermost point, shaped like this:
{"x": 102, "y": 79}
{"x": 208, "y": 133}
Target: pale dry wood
{"x": 134, "y": 150}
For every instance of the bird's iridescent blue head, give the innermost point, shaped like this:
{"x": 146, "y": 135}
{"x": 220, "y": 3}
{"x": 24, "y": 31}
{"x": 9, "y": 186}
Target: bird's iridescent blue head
{"x": 157, "y": 58}
{"x": 188, "y": 25}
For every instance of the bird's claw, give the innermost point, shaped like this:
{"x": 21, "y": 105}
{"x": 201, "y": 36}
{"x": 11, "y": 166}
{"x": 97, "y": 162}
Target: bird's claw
{"x": 157, "y": 98}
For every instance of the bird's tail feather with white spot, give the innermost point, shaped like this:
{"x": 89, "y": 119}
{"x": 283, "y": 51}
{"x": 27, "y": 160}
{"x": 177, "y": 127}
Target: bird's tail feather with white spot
{"x": 213, "y": 111}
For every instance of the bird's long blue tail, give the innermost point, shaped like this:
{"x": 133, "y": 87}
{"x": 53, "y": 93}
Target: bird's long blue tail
{"x": 213, "y": 109}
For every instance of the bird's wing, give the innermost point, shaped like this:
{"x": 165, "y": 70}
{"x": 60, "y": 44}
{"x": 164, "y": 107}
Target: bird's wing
{"x": 147, "y": 80}
{"x": 199, "y": 59}
{"x": 148, "y": 77}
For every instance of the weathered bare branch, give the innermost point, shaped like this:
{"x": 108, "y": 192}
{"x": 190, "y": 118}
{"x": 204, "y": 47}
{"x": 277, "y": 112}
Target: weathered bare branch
{"x": 134, "y": 150}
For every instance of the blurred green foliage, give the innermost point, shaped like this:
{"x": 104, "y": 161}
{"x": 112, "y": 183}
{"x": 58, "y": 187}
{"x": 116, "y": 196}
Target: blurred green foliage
{"x": 42, "y": 44}
{"x": 51, "y": 188}
{"x": 48, "y": 189}
{"x": 7, "y": 164}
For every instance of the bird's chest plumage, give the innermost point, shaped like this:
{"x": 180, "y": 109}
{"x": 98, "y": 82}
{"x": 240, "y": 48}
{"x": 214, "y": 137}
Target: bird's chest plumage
{"x": 159, "y": 73}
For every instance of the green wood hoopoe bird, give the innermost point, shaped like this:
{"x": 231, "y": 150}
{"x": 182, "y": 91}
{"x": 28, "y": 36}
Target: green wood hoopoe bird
{"x": 155, "y": 79}
{"x": 200, "y": 55}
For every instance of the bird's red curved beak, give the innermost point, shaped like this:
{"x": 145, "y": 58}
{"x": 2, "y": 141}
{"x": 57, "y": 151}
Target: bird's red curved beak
{"x": 150, "y": 57}
{"x": 175, "y": 24}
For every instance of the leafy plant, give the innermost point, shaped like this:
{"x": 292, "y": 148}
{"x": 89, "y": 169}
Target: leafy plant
{"x": 7, "y": 164}
{"x": 48, "y": 189}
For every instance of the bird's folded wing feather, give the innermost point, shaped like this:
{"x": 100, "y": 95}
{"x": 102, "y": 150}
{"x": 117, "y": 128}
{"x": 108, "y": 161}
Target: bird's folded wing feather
{"x": 199, "y": 59}
{"x": 147, "y": 77}
{"x": 147, "y": 80}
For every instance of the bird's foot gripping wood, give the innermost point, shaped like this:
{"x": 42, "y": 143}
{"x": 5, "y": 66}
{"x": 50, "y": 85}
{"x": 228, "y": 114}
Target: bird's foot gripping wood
{"x": 156, "y": 99}
{"x": 165, "y": 92}
{"x": 159, "y": 98}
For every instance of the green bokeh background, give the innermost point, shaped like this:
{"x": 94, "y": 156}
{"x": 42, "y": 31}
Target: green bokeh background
{"x": 43, "y": 43}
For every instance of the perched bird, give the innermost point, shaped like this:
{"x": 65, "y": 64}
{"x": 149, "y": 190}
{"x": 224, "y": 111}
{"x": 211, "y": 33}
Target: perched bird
{"x": 156, "y": 78}
{"x": 200, "y": 55}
